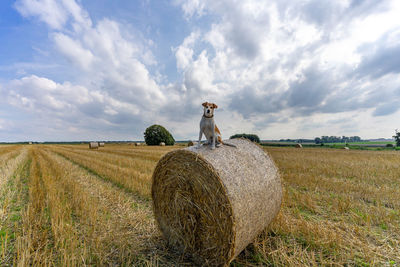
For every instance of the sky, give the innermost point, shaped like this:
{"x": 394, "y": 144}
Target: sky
{"x": 106, "y": 70}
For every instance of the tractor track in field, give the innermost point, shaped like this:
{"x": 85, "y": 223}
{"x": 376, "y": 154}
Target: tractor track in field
{"x": 9, "y": 161}
{"x": 133, "y": 153}
{"x": 103, "y": 177}
{"x": 14, "y": 173}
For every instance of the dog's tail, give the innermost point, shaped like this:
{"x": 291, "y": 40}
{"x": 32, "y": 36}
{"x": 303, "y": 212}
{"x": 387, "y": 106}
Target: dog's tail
{"x": 227, "y": 144}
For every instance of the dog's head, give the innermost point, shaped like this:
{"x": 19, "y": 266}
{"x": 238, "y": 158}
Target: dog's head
{"x": 209, "y": 109}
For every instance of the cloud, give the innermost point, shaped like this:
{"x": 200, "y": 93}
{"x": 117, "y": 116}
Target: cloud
{"x": 386, "y": 109}
{"x": 381, "y": 58}
{"x": 73, "y": 105}
{"x": 191, "y": 7}
{"x": 54, "y": 13}
{"x": 296, "y": 59}
{"x": 267, "y": 65}
{"x": 111, "y": 84}
{"x": 47, "y": 11}
{"x": 184, "y": 52}
{"x": 310, "y": 90}
{"x": 74, "y": 51}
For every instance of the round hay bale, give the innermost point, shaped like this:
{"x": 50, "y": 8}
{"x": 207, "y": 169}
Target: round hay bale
{"x": 93, "y": 145}
{"x": 101, "y": 144}
{"x": 346, "y": 148}
{"x": 192, "y": 143}
{"x": 299, "y": 146}
{"x": 162, "y": 144}
{"x": 213, "y": 203}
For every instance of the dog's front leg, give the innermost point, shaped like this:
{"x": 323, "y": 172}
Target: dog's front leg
{"x": 199, "y": 142}
{"x": 213, "y": 137}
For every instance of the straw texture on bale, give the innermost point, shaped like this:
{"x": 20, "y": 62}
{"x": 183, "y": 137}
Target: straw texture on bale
{"x": 192, "y": 143}
{"x": 93, "y": 145}
{"x": 299, "y": 145}
{"x": 212, "y": 203}
{"x": 101, "y": 144}
{"x": 162, "y": 144}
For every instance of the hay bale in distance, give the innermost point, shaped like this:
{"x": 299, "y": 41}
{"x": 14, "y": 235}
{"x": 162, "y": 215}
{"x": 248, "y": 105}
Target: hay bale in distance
{"x": 299, "y": 146}
{"x": 213, "y": 203}
{"x": 162, "y": 144}
{"x": 346, "y": 148}
{"x": 101, "y": 144}
{"x": 192, "y": 143}
{"x": 93, "y": 145}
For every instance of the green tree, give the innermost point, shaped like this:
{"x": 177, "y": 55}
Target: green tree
{"x": 156, "y": 134}
{"x": 397, "y": 138}
{"x": 251, "y": 137}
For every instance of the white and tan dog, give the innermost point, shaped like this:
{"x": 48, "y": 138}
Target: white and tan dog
{"x": 209, "y": 128}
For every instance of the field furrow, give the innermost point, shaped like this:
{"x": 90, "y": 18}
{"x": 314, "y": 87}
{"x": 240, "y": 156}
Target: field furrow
{"x": 4, "y": 149}
{"x": 131, "y": 173}
{"x": 145, "y": 153}
{"x": 37, "y": 245}
{"x": 13, "y": 173}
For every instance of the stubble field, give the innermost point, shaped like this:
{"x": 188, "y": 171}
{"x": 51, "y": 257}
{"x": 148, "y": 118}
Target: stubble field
{"x": 66, "y": 205}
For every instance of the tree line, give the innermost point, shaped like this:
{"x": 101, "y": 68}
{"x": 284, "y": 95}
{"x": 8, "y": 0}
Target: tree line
{"x": 337, "y": 139}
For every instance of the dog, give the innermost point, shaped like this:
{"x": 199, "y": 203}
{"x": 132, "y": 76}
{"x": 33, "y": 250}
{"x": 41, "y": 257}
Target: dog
{"x": 209, "y": 129}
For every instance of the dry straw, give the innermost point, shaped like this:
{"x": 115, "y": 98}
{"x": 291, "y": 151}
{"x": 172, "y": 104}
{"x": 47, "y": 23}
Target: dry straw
{"x": 101, "y": 144}
{"x": 212, "y": 203}
{"x": 93, "y": 145}
{"x": 299, "y": 145}
{"x": 162, "y": 144}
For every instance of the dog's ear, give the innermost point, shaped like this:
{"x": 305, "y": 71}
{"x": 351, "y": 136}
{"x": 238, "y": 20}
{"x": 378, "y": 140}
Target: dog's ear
{"x": 205, "y": 104}
{"x": 215, "y": 106}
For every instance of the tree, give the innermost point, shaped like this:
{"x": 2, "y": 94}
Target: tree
{"x": 397, "y": 138}
{"x": 156, "y": 134}
{"x": 251, "y": 137}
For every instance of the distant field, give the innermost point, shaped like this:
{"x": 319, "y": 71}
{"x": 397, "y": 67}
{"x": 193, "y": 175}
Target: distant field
{"x": 375, "y": 142}
{"x": 67, "y": 205}
{"x": 352, "y": 145}
{"x": 365, "y": 143}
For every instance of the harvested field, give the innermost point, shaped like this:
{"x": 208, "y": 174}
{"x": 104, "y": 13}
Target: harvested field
{"x": 68, "y": 205}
